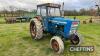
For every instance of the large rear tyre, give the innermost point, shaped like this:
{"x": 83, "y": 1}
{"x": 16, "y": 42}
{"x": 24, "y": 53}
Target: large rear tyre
{"x": 57, "y": 44}
{"x": 36, "y": 29}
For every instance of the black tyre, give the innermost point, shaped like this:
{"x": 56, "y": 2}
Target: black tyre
{"x": 36, "y": 30}
{"x": 76, "y": 39}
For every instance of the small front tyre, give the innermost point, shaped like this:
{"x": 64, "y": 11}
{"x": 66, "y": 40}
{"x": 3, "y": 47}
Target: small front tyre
{"x": 57, "y": 44}
{"x": 76, "y": 39}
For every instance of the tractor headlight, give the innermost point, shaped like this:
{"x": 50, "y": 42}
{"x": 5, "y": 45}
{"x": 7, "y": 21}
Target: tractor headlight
{"x": 72, "y": 31}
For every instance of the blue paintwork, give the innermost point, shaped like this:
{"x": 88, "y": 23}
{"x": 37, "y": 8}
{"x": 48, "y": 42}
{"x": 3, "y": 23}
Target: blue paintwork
{"x": 50, "y": 25}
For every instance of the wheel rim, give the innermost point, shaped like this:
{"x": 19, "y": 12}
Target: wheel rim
{"x": 33, "y": 29}
{"x": 55, "y": 45}
{"x": 75, "y": 40}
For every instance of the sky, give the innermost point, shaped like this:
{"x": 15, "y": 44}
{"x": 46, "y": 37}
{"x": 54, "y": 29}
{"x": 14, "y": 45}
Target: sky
{"x": 29, "y": 5}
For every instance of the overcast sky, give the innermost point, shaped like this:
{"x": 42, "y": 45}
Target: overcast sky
{"x": 31, "y": 4}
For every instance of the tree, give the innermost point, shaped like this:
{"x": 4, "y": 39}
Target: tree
{"x": 11, "y": 8}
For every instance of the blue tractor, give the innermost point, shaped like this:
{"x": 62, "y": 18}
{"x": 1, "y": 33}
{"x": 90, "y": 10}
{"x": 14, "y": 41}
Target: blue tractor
{"x": 49, "y": 19}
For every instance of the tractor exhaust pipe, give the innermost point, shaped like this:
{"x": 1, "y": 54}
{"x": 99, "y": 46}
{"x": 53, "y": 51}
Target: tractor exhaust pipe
{"x": 62, "y": 9}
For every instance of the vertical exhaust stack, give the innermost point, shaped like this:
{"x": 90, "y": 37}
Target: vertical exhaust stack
{"x": 62, "y": 9}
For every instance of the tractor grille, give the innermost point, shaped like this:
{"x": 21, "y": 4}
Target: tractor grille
{"x": 74, "y": 27}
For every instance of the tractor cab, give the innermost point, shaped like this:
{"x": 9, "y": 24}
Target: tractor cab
{"x": 49, "y": 10}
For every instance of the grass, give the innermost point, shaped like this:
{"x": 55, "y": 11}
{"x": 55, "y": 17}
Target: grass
{"x": 15, "y": 40}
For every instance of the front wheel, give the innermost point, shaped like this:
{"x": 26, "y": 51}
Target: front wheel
{"x": 76, "y": 39}
{"x": 57, "y": 44}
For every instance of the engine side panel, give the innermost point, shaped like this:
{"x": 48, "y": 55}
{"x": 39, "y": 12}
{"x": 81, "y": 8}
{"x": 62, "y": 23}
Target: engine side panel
{"x": 59, "y": 26}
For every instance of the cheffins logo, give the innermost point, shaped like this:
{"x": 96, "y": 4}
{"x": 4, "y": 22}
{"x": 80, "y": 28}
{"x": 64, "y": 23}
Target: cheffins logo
{"x": 81, "y": 48}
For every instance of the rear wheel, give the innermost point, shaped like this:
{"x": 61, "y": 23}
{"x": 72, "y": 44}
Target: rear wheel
{"x": 57, "y": 44}
{"x": 36, "y": 30}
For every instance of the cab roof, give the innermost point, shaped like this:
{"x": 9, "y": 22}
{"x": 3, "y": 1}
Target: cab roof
{"x": 49, "y": 5}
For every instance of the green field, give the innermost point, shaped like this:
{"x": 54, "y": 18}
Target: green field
{"x": 15, "y": 40}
